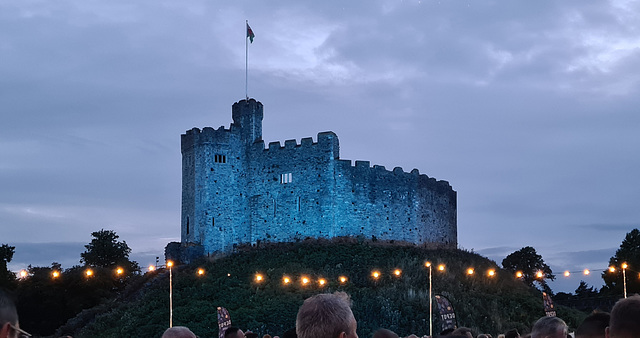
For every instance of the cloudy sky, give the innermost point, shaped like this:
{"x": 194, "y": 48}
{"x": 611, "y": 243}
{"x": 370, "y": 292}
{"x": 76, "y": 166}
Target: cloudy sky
{"x": 530, "y": 109}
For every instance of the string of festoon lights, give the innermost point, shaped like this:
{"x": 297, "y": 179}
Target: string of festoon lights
{"x": 376, "y": 274}
{"x": 305, "y": 280}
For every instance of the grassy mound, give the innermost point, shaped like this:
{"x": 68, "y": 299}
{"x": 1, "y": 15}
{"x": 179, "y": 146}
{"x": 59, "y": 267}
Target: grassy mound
{"x": 400, "y": 303}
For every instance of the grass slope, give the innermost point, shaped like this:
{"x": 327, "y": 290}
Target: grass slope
{"x": 485, "y": 304}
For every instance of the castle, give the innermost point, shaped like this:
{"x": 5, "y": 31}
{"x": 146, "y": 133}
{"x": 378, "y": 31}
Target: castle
{"x": 236, "y": 191}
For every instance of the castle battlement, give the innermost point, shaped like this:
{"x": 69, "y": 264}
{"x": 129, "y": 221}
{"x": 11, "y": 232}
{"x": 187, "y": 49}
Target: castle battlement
{"x": 236, "y": 191}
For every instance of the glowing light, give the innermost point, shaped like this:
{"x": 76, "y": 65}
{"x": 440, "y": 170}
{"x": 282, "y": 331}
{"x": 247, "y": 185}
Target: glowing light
{"x": 375, "y": 274}
{"x": 470, "y": 271}
{"x": 491, "y": 272}
{"x": 228, "y": 275}
{"x": 259, "y": 278}
{"x": 55, "y": 274}
{"x": 612, "y": 269}
{"x": 119, "y": 271}
{"x": 624, "y": 265}
{"x": 169, "y": 263}
{"x": 152, "y": 268}
{"x": 342, "y": 279}
{"x": 519, "y": 274}
{"x": 286, "y": 280}
{"x": 200, "y": 271}
{"x": 23, "y": 273}
{"x": 322, "y": 281}
{"x": 567, "y": 273}
{"x": 441, "y": 267}
{"x": 397, "y": 272}
{"x": 539, "y": 274}
{"x": 89, "y": 272}
{"x": 427, "y": 264}
{"x": 305, "y": 280}
{"x": 586, "y": 271}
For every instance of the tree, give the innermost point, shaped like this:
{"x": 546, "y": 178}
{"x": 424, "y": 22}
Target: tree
{"x": 6, "y": 255}
{"x": 629, "y": 253}
{"x": 585, "y": 291}
{"x": 107, "y": 252}
{"x": 528, "y": 262}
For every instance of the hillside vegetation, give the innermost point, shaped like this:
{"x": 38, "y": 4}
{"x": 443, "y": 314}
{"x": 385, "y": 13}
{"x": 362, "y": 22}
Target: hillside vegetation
{"x": 400, "y": 303}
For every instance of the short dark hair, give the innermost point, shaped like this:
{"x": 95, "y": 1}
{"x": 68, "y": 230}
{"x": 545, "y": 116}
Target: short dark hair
{"x": 231, "y": 331}
{"x": 594, "y": 326}
{"x": 624, "y": 318}
{"x": 513, "y": 333}
{"x": 384, "y": 333}
{"x": 8, "y": 313}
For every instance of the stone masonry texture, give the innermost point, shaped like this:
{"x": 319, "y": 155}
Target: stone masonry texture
{"x": 237, "y": 191}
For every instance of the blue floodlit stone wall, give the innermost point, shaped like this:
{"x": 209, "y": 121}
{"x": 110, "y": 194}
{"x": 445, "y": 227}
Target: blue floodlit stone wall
{"x": 236, "y": 190}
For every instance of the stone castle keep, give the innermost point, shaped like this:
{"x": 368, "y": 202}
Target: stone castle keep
{"x": 236, "y": 191}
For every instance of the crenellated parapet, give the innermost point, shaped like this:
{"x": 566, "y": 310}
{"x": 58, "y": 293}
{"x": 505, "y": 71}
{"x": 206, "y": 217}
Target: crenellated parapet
{"x": 327, "y": 144}
{"x": 237, "y": 190}
{"x": 207, "y": 135}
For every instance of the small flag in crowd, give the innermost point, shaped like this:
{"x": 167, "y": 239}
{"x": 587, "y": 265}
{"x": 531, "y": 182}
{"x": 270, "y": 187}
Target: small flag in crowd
{"x": 447, "y": 314}
{"x": 224, "y": 321}
{"x": 549, "y": 309}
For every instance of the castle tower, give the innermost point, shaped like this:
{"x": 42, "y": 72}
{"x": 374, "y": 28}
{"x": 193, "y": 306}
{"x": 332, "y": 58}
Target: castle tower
{"x": 248, "y": 116}
{"x": 236, "y": 191}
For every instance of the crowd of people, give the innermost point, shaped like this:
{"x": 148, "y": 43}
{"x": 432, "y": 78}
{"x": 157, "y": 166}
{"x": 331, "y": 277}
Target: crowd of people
{"x": 330, "y": 316}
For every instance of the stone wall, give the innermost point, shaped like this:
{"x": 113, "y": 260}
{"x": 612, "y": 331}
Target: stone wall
{"x": 237, "y": 191}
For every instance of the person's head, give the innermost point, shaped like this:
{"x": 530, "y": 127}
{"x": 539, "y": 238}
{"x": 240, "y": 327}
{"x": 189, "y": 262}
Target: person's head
{"x": 624, "y": 321}
{"x": 178, "y": 332}
{"x": 594, "y": 326}
{"x": 513, "y": 333}
{"x": 549, "y": 327}
{"x": 9, "y": 326}
{"x": 326, "y": 316}
{"x": 482, "y": 335}
{"x": 233, "y": 332}
{"x": 384, "y": 333}
{"x": 462, "y": 331}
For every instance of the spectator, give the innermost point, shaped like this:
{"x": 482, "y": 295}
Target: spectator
{"x": 384, "y": 333}
{"x": 625, "y": 319}
{"x": 233, "y": 332}
{"x": 9, "y": 326}
{"x": 462, "y": 331}
{"x": 326, "y": 316}
{"x": 549, "y": 327}
{"x": 513, "y": 333}
{"x": 178, "y": 332}
{"x": 594, "y": 326}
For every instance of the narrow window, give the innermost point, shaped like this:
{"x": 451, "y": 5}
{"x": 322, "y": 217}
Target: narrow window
{"x": 220, "y": 158}
{"x": 187, "y": 225}
{"x": 286, "y": 178}
{"x": 213, "y": 222}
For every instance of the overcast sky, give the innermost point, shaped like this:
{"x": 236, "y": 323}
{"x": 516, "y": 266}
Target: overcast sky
{"x": 530, "y": 109}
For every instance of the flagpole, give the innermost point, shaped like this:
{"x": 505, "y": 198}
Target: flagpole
{"x": 246, "y": 62}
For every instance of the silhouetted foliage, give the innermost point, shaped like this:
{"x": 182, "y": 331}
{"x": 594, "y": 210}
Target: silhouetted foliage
{"x": 49, "y": 296}
{"x": 585, "y": 291}
{"x": 106, "y": 251}
{"x": 629, "y": 252}
{"x": 528, "y": 262}
{"x": 7, "y": 278}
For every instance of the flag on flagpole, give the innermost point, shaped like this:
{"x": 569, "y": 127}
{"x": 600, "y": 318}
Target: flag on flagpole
{"x": 250, "y": 34}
